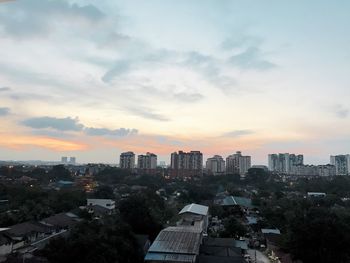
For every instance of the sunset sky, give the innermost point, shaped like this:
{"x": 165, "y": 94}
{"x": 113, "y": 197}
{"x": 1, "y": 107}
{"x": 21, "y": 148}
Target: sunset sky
{"x": 94, "y": 78}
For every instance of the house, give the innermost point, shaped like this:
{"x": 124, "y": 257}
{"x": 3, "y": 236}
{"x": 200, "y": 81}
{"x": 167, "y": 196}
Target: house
{"x": 316, "y": 194}
{"x": 251, "y": 220}
{"x": 27, "y": 233}
{"x": 61, "y": 221}
{"x": 98, "y": 211}
{"x": 5, "y": 243}
{"x": 106, "y": 203}
{"x": 266, "y": 231}
{"x": 61, "y": 184}
{"x": 175, "y": 244}
{"x": 222, "y": 250}
{"x": 195, "y": 215}
{"x": 144, "y": 243}
{"x": 234, "y": 201}
{"x": 181, "y": 243}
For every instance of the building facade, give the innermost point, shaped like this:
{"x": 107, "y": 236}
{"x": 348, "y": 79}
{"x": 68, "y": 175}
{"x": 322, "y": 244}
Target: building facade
{"x": 147, "y": 161}
{"x": 341, "y": 163}
{"x": 127, "y": 160}
{"x": 283, "y": 162}
{"x": 215, "y": 165}
{"x": 186, "y": 164}
{"x": 237, "y": 163}
{"x": 313, "y": 170}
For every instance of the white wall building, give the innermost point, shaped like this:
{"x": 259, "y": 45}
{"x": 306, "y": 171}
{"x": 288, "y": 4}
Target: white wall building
{"x": 106, "y": 203}
{"x": 216, "y": 165}
{"x": 148, "y": 161}
{"x": 341, "y": 163}
{"x": 283, "y": 162}
{"x": 127, "y": 160}
{"x": 237, "y": 163}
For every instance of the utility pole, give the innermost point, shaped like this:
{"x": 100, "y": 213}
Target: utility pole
{"x": 255, "y": 256}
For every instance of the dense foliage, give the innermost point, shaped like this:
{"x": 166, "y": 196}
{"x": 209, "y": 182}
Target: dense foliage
{"x": 110, "y": 241}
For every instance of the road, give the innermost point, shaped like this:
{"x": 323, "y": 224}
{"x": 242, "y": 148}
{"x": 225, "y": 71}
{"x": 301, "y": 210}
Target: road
{"x": 260, "y": 257}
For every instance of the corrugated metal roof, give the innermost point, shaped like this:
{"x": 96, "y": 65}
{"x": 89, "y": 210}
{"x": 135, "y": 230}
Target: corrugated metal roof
{"x": 252, "y": 220}
{"x": 229, "y": 200}
{"x": 169, "y": 257}
{"x": 242, "y": 201}
{"x": 181, "y": 240}
{"x": 270, "y": 231}
{"x": 195, "y": 209}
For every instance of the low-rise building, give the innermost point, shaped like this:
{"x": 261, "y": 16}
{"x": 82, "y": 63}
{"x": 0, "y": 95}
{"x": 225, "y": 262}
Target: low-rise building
{"x": 106, "y": 203}
{"x": 175, "y": 244}
{"x": 196, "y": 216}
{"x": 215, "y": 165}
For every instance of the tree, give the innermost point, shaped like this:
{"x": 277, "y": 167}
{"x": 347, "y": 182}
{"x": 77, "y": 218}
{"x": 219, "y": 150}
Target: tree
{"x": 59, "y": 172}
{"x": 319, "y": 236}
{"x": 233, "y": 229}
{"x": 138, "y": 214}
{"x": 94, "y": 242}
{"x": 104, "y": 192}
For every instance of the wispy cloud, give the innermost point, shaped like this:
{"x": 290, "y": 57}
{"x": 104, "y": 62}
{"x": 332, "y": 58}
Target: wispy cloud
{"x": 4, "y": 111}
{"x": 121, "y": 132}
{"x": 238, "y": 133}
{"x": 56, "y": 127}
{"x": 146, "y": 113}
{"x": 4, "y": 89}
{"x": 251, "y": 58}
{"x": 341, "y": 111}
{"x": 60, "y": 124}
{"x": 35, "y": 18}
{"x": 239, "y": 41}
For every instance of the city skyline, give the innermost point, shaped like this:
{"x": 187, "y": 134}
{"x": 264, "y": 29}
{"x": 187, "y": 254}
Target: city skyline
{"x": 212, "y": 76}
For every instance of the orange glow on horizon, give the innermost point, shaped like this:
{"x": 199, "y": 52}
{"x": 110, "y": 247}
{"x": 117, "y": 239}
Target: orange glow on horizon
{"x": 20, "y": 142}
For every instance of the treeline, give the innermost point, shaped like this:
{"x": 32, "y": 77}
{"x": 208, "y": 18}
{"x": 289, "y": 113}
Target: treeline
{"x": 113, "y": 238}
{"x": 58, "y": 172}
{"x": 313, "y": 229}
{"x": 27, "y": 203}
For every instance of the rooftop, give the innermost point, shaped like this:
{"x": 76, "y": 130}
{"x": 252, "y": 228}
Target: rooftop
{"x": 236, "y": 200}
{"x": 195, "y": 209}
{"x": 270, "y": 231}
{"x": 23, "y": 229}
{"x": 63, "y": 220}
{"x": 177, "y": 240}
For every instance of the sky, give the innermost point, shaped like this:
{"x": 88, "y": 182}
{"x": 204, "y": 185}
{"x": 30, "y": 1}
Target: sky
{"x": 92, "y": 79}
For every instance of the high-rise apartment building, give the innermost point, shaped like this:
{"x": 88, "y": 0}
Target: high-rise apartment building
{"x": 72, "y": 160}
{"x": 284, "y": 162}
{"x": 237, "y": 163}
{"x": 186, "y": 164}
{"x": 127, "y": 160}
{"x": 341, "y": 163}
{"x": 215, "y": 165}
{"x": 147, "y": 161}
{"x": 313, "y": 170}
{"x": 64, "y": 159}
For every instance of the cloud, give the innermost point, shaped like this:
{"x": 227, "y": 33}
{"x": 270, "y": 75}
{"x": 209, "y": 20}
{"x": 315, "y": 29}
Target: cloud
{"x": 237, "y": 133}
{"x": 240, "y": 41}
{"x": 121, "y": 132}
{"x": 341, "y": 112}
{"x": 60, "y": 124}
{"x": 146, "y": 113}
{"x": 119, "y": 67}
{"x": 251, "y": 58}
{"x": 188, "y": 97}
{"x": 34, "y": 18}
{"x": 4, "y": 111}
{"x": 4, "y": 89}
{"x": 50, "y": 125}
